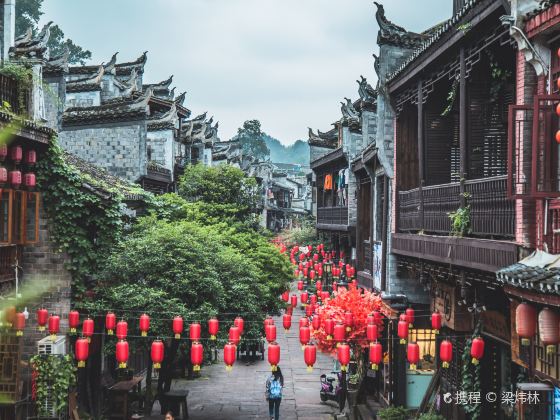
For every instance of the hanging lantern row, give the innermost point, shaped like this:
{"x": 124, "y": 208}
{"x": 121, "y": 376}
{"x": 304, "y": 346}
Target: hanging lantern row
{"x": 16, "y": 155}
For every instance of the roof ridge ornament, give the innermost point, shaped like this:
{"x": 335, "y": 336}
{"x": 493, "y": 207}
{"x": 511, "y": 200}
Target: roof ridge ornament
{"x": 390, "y": 33}
{"x": 179, "y": 100}
{"x": 110, "y": 66}
{"x": 366, "y": 92}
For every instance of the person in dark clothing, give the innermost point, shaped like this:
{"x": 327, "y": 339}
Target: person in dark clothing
{"x": 274, "y": 386}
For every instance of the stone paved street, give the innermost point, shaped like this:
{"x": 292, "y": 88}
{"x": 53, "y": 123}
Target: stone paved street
{"x": 239, "y": 394}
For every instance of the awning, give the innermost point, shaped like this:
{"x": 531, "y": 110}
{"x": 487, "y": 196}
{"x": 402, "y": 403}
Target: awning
{"x": 539, "y": 272}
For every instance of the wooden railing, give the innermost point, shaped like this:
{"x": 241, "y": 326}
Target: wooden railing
{"x": 332, "y": 216}
{"x": 492, "y": 214}
{"x": 478, "y": 254}
{"x": 9, "y": 93}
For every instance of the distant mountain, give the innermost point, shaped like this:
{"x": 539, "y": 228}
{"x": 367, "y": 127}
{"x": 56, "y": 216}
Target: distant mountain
{"x": 294, "y": 153}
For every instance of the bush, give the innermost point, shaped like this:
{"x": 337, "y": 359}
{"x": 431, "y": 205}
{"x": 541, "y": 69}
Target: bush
{"x": 393, "y": 413}
{"x": 431, "y": 416}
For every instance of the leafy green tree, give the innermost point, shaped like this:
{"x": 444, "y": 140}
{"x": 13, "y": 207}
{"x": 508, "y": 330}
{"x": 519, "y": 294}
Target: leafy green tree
{"x": 28, "y": 14}
{"x": 252, "y": 139}
{"x": 223, "y": 192}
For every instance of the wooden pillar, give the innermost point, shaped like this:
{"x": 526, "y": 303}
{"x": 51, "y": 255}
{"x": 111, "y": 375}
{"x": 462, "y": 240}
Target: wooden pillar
{"x": 463, "y": 153}
{"x": 384, "y": 233}
{"x": 421, "y": 153}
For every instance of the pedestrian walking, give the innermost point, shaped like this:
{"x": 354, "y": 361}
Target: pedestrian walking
{"x": 274, "y": 385}
{"x": 169, "y": 416}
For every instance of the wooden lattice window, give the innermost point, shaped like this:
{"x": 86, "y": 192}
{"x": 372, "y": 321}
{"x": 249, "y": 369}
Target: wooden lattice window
{"x": 19, "y": 217}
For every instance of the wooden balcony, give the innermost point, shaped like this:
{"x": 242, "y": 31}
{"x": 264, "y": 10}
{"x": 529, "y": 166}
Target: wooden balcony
{"x": 427, "y": 210}
{"x": 332, "y": 218}
{"x": 478, "y": 254}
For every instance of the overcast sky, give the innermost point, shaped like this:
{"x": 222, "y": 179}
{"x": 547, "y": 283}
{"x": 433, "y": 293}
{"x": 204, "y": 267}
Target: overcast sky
{"x": 287, "y": 63}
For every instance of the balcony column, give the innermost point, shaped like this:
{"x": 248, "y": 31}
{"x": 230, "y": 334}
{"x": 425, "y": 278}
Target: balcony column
{"x": 463, "y": 153}
{"x": 420, "y": 100}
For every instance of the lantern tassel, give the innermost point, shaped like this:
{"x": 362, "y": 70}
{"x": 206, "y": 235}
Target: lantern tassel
{"x": 19, "y": 333}
{"x": 157, "y": 365}
{"x": 41, "y": 328}
{"x": 525, "y": 341}
{"x": 550, "y": 349}
{"x": 412, "y": 366}
{"x": 329, "y": 337}
{"x": 177, "y": 336}
{"x": 310, "y": 368}
{"x": 212, "y": 337}
{"x": 403, "y": 341}
{"x": 81, "y": 364}
{"x": 374, "y": 366}
{"x": 348, "y": 329}
{"x": 475, "y": 361}
{"x": 436, "y": 331}
{"x": 89, "y": 339}
{"x": 144, "y": 333}
{"x": 343, "y": 368}
{"x": 122, "y": 365}
{"x": 229, "y": 368}
{"x": 196, "y": 368}
{"x": 273, "y": 368}
{"x": 53, "y": 337}
{"x": 109, "y": 332}
{"x": 72, "y": 330}
{"x": 445, "y": 365}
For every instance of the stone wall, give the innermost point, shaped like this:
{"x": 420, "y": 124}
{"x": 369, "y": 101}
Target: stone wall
{"x": 120, "y": 148}
{"x": 42, "y": 263}
{"x": 82, "y": 99}
{"x": 316, "y": 152}
{"x": 161, "y": 145}
{"x": 55, "y": 96}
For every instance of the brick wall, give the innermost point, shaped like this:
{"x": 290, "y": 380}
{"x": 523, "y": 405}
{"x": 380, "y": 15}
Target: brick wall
{"x": 160, "y": 143}
{"x": 120, "y": 148}
{"x": 42, "y": 263}
{"x": 55, "y": 96}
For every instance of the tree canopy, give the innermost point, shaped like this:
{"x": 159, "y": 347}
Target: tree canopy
{"x": 252, "y": 139}
{"x": 28, "y": 14}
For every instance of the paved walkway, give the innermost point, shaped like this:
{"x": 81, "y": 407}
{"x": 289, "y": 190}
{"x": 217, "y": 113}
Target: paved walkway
{"x": 239, "y": 394}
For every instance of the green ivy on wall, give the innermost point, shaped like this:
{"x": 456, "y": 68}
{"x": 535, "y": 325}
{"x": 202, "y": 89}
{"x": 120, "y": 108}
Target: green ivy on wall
{"x": 81, "y": 222}
{"x": 470, "y": 376}
{"x": 54, "y": 376}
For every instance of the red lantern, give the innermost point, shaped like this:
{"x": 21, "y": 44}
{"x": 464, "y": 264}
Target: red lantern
{"x": 3, "y": 175}
{"x": 339, "y": 333}
{"x": 343, "y": 354}
{"x": 315, "y": 257}
{"x": 15, "y": 178}
{"x": 30, "y": 157}
{"x": 229, "y": 355}
{"x": 194, "y": 331}
{"x": 3, "y": 152}
{"x": 557, "y": 137}
{"x": 413, "y": 355}
{"x": 558, "y": 109}
{"x": 477, "y": 349}
{"x": 300, "y": 285}
{"x": 290, "y": 310}
{"x": 19, "y": 323}
{"x": 446, "y": 353}
{"x": 270, "y": 332}
{"x": 29, "y": 180}
{"x": 375, "y": 355}
{"x": 239, "y": 323}
{"x": 54, "y": 326}
{"x": 122, "y": 353}
{"x": 371, "y": 332}
{"x": 548, "y": 329}
{"x": 42, "y": 317}
{"x": 273, "y": 355}
{"x": 304, "y": 296}
{"x": 436, "y": 322}
{"x": 348, "y": 320}
{"x": 88, "y": 329}
{"x": 157, "y": 353}
{"x": 296, "y": 272}
{"x": 196, "y": 356}
{"x": 73, "y": 321}
{"x": 286, "y": 296}
{"x": 304, "y": 335}
{"x": 312, "y": 274}
{"x": 370, "y": 319}
{"x": 301, "y": 257}
{"x": 16, "y": 154}
{"x": 293, "y": 301}
{"x": 287, "y": 321}
{"x": 305, "y": 270}
{"x": 525, "y": 322}
{"x": 303, "y": 322}
{"x": 309, "y": 310}
{"x": 328, "y": 325}
{"x": 316, "y": 322}
{"x": 213, "y": 327}
{"x": 310, "y": 356}
{"x": 110, "y": 321}
{"x": 402, "y": 331}
{"x": 234, "y": 335}
{"x": 324, "y": 295}
{"x": 313, "y": 300}
{"x": 409, "y": 317}
{"x": 335, "y": 287}
{"x": 178, "y": 327}
{"x": 268, "y": 321}
{"x": 81, "y": 351}
{"x": 122, "y": 330}
{"x": 319, "y": 286}
{"x": 144, "y": 325}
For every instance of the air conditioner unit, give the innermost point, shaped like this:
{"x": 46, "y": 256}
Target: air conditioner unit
{"x": 49, "y": 346}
